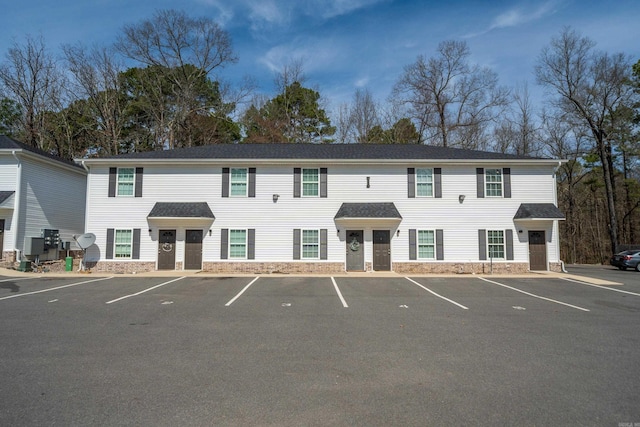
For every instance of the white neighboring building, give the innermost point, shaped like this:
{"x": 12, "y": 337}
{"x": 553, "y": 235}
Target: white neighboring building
{"x": 259, "y": 208}
{"x": 38, "y": 192}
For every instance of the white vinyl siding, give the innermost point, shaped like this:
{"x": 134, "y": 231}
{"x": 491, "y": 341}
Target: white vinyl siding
{"x": 126, "y": 181}
{"x": 495, "y": 244}
{"x": 426, "y": 244}
{"x": 493, "y": 182}
{"x": 238, "y": 182}
{"x": 123, "y": 244}
{"x": 238, "y": 244}
{"x": 424, "y": 182}
{"x": 310, "y": 182}
{"x": 310, "y": 244}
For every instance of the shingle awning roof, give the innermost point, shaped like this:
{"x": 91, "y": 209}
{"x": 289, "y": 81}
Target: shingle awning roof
{"x": 181, "y": 210}
{"x": 6, "y": 199}
{"x": 538, "y": 211}
{"x": 368, "y": 211}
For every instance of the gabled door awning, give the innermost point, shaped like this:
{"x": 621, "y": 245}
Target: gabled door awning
{"x": 538, "y": 212}
{"x": 365, "y": 212}
{"x": 7, "y": 199}
{"x": 181, "y": 211}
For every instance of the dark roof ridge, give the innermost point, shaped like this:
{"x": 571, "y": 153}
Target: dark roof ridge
{"x": 8, "y": 143}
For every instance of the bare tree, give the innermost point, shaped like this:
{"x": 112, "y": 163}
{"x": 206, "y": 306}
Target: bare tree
{"x": 31, "y": 77}
{"x": 97, "y": 81}
{"x": 589, "y": 87}
{"x": 518, "y": 131}
{"x": 363, "y": 116}
{"x": 186, "y": 50}
{"x": 451, "y": 100}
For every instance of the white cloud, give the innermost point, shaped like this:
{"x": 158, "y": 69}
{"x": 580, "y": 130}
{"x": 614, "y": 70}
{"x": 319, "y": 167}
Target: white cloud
{"x": 515, "y": 17}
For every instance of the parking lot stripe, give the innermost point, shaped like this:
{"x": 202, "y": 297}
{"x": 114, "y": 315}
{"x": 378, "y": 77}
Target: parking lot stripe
{"x": 438, "y": 295}
{"x": 601, "y": 287}
{"x": 145, "y": 290}
{"x": 534, "y": 295}
{"x": 335, "y": 285}
{"x": 12, "y": 279}
{"x": 57, "y": 287}
{"x": 241, "y": 292}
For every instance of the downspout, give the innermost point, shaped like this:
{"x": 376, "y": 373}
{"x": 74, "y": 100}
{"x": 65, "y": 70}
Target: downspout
{"x": 555, "y": 221}
{"x": 86, "y": 196}
{"x": 16, "y": 207}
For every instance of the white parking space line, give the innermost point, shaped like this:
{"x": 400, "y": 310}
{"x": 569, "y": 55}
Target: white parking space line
{"x": 438, "y": 295}
{"x": 145, "y": 290}
{"x": 534, "y": 295}
{"x": 241, "y": 292}
{"x": 57, "y": 287}
{"x": 601, "y": 287}
{"x": 335, "y": 285}
{"x": 11, "y": 279}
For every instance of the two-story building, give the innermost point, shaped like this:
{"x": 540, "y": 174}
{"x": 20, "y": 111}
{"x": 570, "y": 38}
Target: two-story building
{"x": 39, "y": 193}
{"x": 306, "y": 208}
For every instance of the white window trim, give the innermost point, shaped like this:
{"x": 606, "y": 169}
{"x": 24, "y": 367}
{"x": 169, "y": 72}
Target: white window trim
{"x": 246, "y": 182}
{"x": 317, "y": 230}
{"x": 115, "y": 243}
{"x": 417, "y": 193}
{"x": 246, "y": 243}
{"x": 302, "y": 182}
{"x": 133, "y": 183}
{"x": 504, "y": 246}
{"x": 487, "y": 183}
{"x": 435, "y": 244}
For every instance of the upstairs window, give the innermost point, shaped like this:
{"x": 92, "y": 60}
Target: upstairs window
{"x": 310, "y": 182}
{"x": 424, "y": 182}
{"x": 126, "y": 181}
{"x": 493, "y": 182}
{"x": 238, "y": 182}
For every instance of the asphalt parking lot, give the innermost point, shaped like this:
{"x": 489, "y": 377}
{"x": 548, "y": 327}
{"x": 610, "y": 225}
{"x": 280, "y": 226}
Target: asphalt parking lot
{"x": 310, "y": 351}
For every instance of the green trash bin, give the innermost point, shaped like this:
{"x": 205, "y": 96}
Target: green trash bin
{"x": 68, "y": 266}
{"x": 25, "y": 265}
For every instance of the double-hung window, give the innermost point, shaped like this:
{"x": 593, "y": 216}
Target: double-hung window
{"x": 495, "y": 243}
{"x": 126, "y": 181}
{"x": 238, "y": 182}
{"x": 424, "y": 182}
{"x": 310, "y": 244}
{"x": 310, "y": 182}
{"x": 123, "y": 243}
{"x": 426, "y": 244}
{"x": 237, "y": 243}
{"x": 493, "y": 182}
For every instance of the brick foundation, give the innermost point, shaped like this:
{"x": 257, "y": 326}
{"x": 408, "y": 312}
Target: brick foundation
{"x": 121, "y": 267}
{"x": 274, "y": 267}
{"x": 459, "y": 268}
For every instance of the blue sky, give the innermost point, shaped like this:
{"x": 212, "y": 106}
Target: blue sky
{"x": 347, "y": 44}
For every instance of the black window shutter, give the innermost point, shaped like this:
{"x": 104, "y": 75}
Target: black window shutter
{"x": 109, "y": 248}
{"x": 439, "y": 245}
{"x": 225, "y": 182}
{"x": 480, "y": 182}
{"x": 296, "y": 243}
{"x": 224, "y": 243}
{"x": 138, "y": 188}
{"x": 252, "y": 182}
{"x": 135, "y": 250}
{"x": 506, "y": 182}
{"x": 297, "y": 182}
{"x": 413, "y": 244}
{"x": 482, "y": 244}
{"x": 251, "y": 244}
{"x": 437, "y": 181}
{"x": 411, "y": 182}
{"x": 113, "y": 174}
{"x": 323, "y": 243}
{"x": 323, "y": 182}
{"x": 508, "y": 240}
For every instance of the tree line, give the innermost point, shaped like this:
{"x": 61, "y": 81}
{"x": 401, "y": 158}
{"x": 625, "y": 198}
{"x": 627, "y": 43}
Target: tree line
{"x": 155, "y": 88}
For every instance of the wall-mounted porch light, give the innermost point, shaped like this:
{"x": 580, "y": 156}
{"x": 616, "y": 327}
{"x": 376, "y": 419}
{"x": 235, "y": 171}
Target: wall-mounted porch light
{"x": 461, "y": 198}
{"x": 275, "y": 198}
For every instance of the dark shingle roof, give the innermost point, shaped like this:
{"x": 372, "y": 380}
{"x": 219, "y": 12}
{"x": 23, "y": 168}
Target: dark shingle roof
{"x": 368, "y": 210}
{"x": 7, "y": 143}
{"x": 322, "y": 151}
{"x": 181, "y": 210}
{"x": 4, "y": 195}
{"x": 538, "y": 211}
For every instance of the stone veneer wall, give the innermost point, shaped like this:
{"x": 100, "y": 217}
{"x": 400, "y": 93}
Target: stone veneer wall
{"x": 274, "y": 267}
{"x": 121, "y": 267}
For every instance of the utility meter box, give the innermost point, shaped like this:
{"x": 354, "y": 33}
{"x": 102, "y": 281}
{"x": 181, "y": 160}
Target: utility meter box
{"x": 33, "y": 246}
